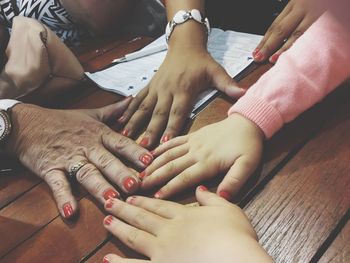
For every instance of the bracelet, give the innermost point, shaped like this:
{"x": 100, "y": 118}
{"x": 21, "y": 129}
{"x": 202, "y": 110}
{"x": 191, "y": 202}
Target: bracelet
{"x": 183, "y": 16}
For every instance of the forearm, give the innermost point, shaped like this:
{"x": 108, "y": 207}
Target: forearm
{"x": 190, "y": 34}
{"x": 316, "y": 64}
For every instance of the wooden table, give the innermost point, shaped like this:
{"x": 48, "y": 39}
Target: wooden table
{"x": 298, "y": 200}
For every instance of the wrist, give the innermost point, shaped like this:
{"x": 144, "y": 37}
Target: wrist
{"x": 247, "y": 124}
{"x": 21, "y": 117}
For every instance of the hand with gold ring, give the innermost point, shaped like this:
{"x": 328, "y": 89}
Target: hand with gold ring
{"x": 58, "y": 144}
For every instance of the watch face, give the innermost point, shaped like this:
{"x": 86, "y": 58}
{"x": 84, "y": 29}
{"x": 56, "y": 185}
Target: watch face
{"x": 4, "y": 125}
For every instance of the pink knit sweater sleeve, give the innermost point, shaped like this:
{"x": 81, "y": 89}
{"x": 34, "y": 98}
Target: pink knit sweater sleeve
{"x": 315, "y": 65}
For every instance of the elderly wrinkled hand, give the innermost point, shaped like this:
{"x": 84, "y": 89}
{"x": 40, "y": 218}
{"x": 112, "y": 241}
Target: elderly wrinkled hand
{"x": 56, "y": 144}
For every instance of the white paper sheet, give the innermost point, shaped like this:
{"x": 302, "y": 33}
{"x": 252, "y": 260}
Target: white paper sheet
{"x": 229, "y": 48}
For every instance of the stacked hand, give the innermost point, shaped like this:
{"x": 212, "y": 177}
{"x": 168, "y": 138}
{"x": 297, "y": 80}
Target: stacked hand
{"x": 217, "y": 231}
{"x": 294, "y": 20}
{"x": 167, "y": 101}
{"x": 232, "y": 146}
{"x": 53, "y": 143}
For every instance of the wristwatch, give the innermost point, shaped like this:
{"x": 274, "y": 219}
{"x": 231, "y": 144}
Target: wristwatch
{"x": 183, "y": 16}
{"x": 5, "y": 118}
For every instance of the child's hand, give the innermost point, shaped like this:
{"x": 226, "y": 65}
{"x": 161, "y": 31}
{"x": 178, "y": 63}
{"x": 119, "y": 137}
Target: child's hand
{"x": 169, "y": 232}
{"x": 233, "y": 145}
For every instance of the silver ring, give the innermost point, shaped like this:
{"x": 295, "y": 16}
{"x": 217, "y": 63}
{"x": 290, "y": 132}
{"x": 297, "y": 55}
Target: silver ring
{"x": 75, "y": 168}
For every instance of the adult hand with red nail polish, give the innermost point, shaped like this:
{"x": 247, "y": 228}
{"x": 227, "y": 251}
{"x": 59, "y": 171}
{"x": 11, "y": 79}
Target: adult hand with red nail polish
{"x": 53, "y": 143}
{"x": 216, "y": 231}
{"x": 232, "y": 146}
{"x": 294, "y": 20}
{"x": 167, "y": 101}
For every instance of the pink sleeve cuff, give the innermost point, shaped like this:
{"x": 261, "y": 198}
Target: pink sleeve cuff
{"x": 260, "y": 112}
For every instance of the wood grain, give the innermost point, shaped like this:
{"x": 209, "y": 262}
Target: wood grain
{"x": 303, "y": 203}
{"x": 339, "y": 251}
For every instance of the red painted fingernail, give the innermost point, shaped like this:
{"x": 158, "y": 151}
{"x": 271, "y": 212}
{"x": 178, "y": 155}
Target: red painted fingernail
{"x": 144, "y": 141}
{"x": 131, "y": 200}
{"x": 146, "y": 159}
{"x": 67, "y": 210}
{"x": 125, "y": 132}
{"x": 225, "y": 195}
{"x": 121, "y": 119}
{"x": 109, "y": 203}
{"x": 108, "y": 220}
{"x": 259, "y": 56}
{"x": 142, "y": 175}
{"x": 158, "y": 194}
{"x": 130, "y": 184}
{"x": 165, "y": 138}
{"x": 255, "y": 52}
{"x": 105, "y": 260}
{"x": 110, "y": 193}
{"x": 274, "y": 58}
{"x": 202, "y": 188}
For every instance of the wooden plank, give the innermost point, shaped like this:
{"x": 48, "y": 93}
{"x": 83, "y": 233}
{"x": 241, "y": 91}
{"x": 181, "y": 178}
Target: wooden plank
{"x": 62, "y": 241}
{"x": 339, "y": 251}
{"x": 27, "y": 215}
{"x": 297, "y": 210}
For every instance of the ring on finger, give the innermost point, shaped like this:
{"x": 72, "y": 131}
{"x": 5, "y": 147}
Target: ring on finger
{"x": 75, "y": 168}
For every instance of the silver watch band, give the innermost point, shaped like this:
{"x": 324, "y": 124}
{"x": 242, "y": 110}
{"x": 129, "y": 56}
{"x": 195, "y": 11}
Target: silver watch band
{"x": 6, "y": 104}
{"x": 183, "y": 16}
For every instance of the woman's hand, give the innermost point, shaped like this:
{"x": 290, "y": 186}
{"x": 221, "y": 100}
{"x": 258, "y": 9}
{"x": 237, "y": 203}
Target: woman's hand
{"x": 52, "y": 142}
{"x": 168, "y": 100}
{"x": 293, "y": 21}
{"x": 233, "y": 146}
{"x": 217, "y": 231}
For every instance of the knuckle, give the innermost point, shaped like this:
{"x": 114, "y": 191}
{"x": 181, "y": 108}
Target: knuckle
{"x": 104, "y": 161}
{"x": 144, "y": 107}
{"x": 59, "y": 187}
{"x": 278, "y": 30}
{"x": 85, "y": 172}
{"x": 139, "y": 218}
{"x": 185, "y": 179}
{"x": 177, "y": 111}
{"x": 132, "y": 237}
{"x": 122, "y": 142}
{"x": 160, "y": 112}
{"x": 297, "y": 33}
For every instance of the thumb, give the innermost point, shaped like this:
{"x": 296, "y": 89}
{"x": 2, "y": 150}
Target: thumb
{"x": 236, "y": 177}
{"x": 223, "y": 82}
{"x": 114, "y": 110}
{"x": 206, "y": 198}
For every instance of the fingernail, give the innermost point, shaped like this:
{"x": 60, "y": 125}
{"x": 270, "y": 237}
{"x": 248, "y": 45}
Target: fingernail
{"x": 274, "y": 58}
{"x": 158, "y": 195}
{"x": 131, "y": 200}
{"x": 255, "y": 52}
{"x": 105, "y": 260}
{"x": 121, "y": 119}
{"x": 146, "y": 159}
{"x": 109, "y": 203}
{"x": 259, "y": 56}
{"x": 202, "y": 188}
{"x": 165, "y": 138}
{"x": 225, "y": 195}
{"x": 125, "y": 132}
{"x": 142, "y": 175}
{"x": 110, "y": 193}
{"x": 67, "y": 210}
{"x": 108, "y": 220}
{"x": 130, "y": 184}
{"x": 144, "y": 141}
